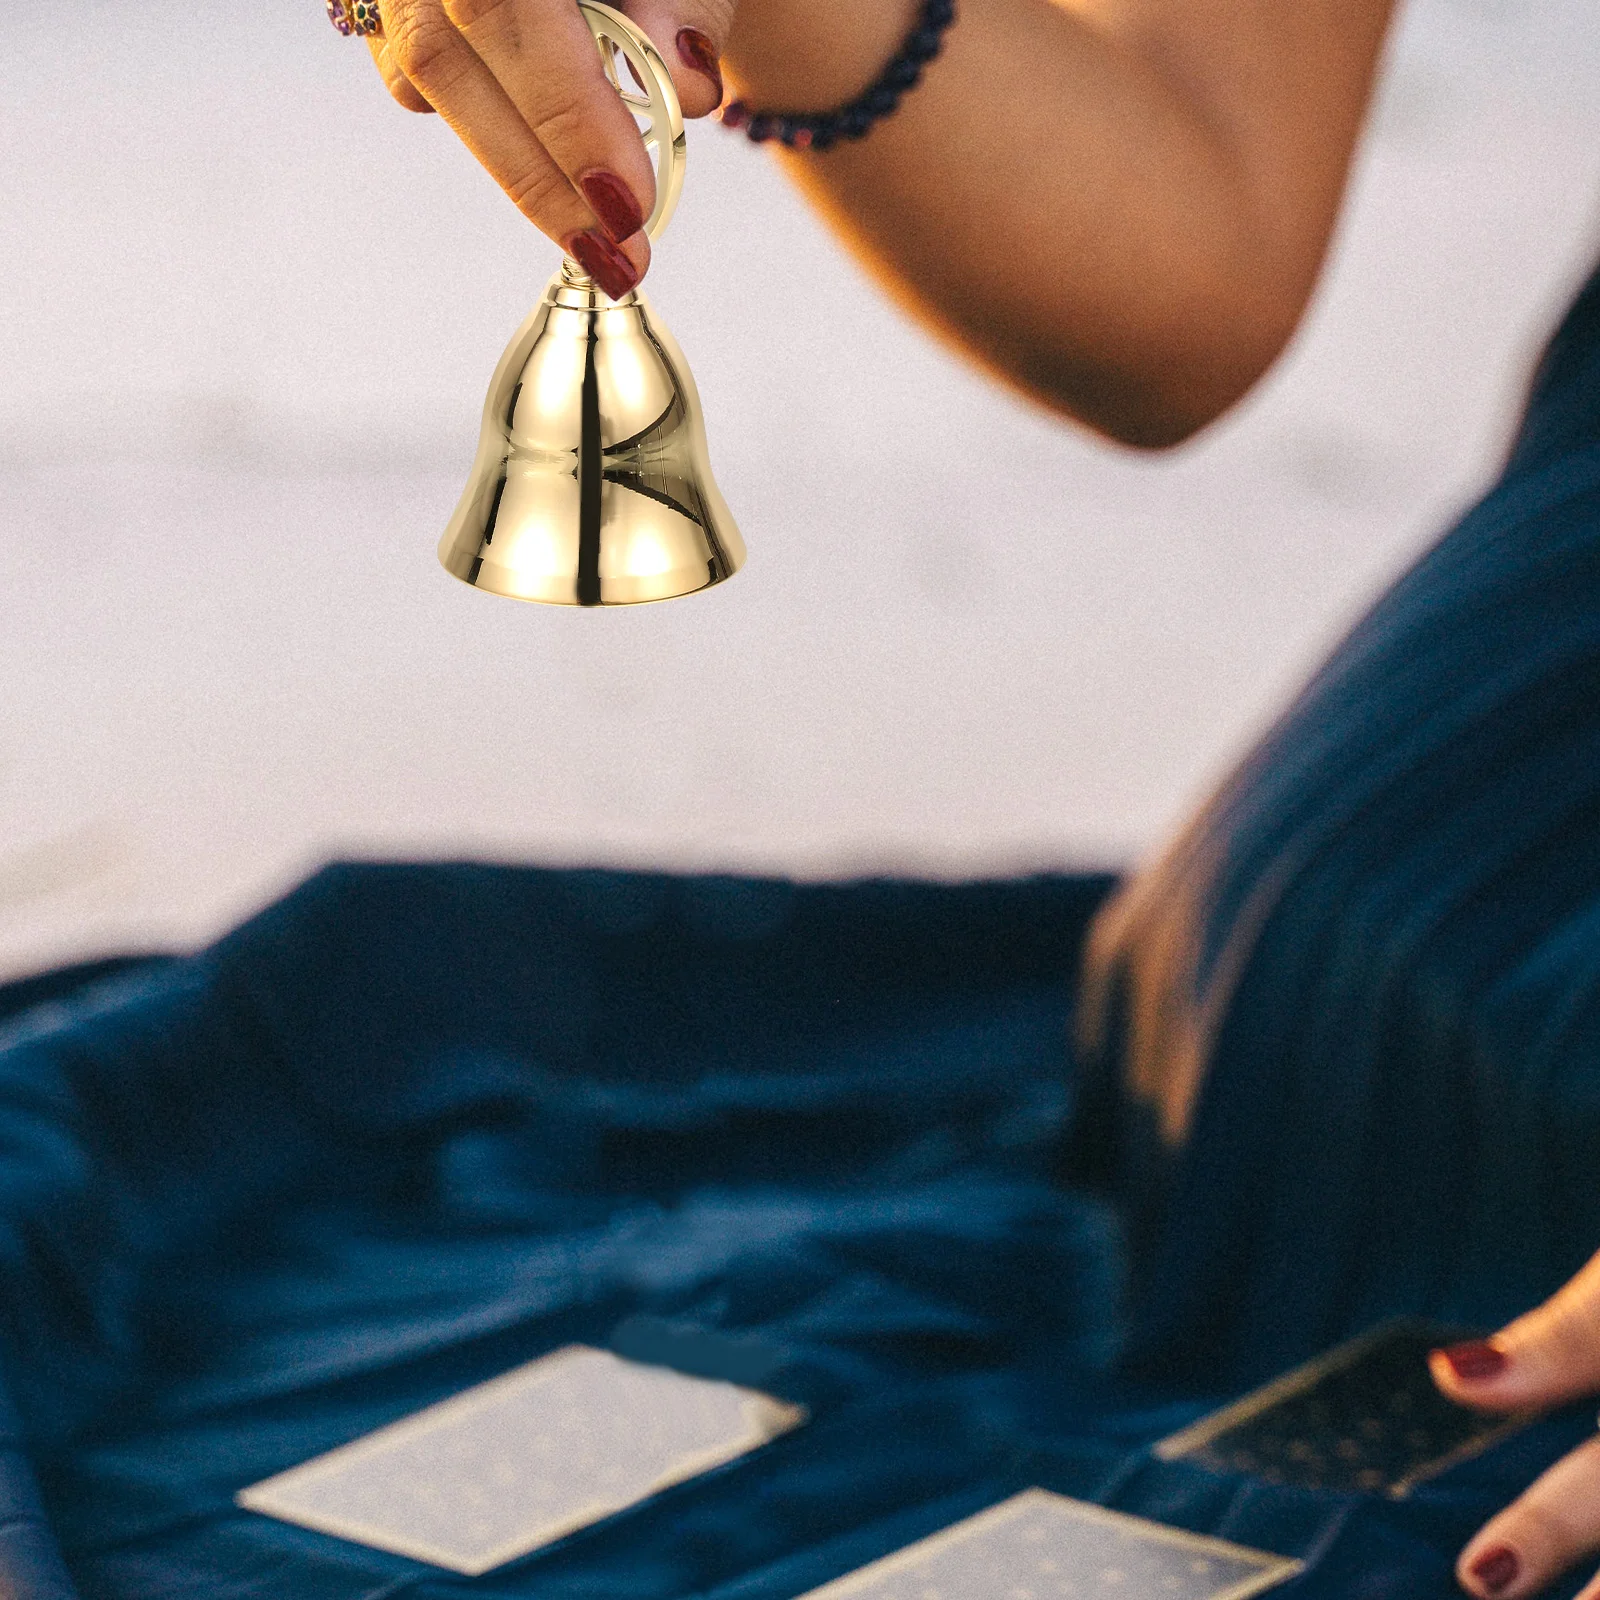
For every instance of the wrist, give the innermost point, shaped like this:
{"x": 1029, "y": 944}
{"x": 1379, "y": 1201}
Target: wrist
{"x": 810, "y": 55}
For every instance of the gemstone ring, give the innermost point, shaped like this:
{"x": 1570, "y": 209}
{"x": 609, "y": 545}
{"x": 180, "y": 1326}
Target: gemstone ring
{"x": 356, "y": 18}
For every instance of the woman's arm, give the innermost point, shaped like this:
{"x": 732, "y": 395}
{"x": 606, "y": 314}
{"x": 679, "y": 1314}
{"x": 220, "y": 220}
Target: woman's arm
{"x": 1120, "y": 206}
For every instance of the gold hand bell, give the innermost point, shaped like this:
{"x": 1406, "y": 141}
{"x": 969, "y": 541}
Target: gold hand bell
{"x": 592, "y": 485}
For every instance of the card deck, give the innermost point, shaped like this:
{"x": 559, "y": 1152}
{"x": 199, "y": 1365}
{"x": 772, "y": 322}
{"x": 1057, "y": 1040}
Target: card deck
{"x": 502, "y": 1468}
{"x": 1364, "y": 1417}
{"x": 1043, "y": 1546}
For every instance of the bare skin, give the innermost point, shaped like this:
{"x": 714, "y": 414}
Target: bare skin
{"x": 1118, "y": 206}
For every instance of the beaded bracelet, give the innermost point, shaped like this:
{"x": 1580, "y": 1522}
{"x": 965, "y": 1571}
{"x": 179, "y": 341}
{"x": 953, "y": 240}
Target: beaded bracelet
{"x": 820, "y": 130}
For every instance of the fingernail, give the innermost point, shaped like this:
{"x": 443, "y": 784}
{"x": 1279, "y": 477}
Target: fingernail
{"x": 1496, "y": 1569}
{"x": 697, "y": 51}
{"x": 1475, "y": 1360}
{"x": 601, "y": 259}
{"x": 613, "y": 202}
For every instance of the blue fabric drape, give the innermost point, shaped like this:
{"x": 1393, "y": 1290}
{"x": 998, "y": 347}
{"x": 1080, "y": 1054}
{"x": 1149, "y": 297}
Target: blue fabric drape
{"x": 416, "y": 1125}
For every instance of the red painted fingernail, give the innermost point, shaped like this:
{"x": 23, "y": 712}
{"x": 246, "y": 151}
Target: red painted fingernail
{"x": 613, "y": 203}
{"x": 601, "y": 259}
{"x": 698, "y": 52}
{"x": 1474, "y": 1360}
{"x": 1496, "y": 1569}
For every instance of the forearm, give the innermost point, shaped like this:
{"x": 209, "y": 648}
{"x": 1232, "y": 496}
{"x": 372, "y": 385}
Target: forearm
{"x": 1120, "y": 207}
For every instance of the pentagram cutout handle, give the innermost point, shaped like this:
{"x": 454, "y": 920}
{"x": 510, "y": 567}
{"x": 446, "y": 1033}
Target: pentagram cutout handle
{"x": 640, "y": 76}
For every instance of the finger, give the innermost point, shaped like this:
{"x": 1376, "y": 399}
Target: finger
{"x": 436, "y": 58}
{"x": 1538, "y": 1537}
{"x": 691, "y": 35}
{"x": 399, "y": 85}
{"x": 544, "y": 57}
{"x": 1549, "y": 1356}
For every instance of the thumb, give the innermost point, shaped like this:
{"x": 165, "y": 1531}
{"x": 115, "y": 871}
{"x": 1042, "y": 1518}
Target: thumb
{"x": 691, "y": 35}
{"x": 1549, "y": 1356}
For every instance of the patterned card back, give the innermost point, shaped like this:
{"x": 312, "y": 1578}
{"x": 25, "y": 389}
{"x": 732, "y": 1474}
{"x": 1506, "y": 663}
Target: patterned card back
{"x": 1363, "y": 1418}
{"x": 1043, "y": 1546}
{"x": 522, "y": 1460}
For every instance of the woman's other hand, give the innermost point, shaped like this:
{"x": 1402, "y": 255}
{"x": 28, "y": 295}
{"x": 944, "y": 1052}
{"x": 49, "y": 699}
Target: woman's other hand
{"x": 1543, "y": 1359}
{"x": 522, "y": 84}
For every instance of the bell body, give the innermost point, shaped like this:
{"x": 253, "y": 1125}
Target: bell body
{"x": 592, "y": 485}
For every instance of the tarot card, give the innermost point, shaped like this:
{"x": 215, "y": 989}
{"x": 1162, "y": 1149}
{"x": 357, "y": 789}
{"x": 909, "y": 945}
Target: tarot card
{"x": 500, "y": 1469}
{"x": 1042, "y": 1546}
{"x": 1364, "y": 1417}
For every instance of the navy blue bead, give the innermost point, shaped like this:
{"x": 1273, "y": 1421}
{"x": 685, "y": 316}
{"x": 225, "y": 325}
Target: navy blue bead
{"x": 826, "y": 128}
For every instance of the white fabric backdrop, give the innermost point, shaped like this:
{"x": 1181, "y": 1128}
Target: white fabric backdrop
{"x": 247, "y": 313}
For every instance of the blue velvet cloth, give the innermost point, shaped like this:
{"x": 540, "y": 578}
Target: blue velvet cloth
{"x": 415, "y": 1125}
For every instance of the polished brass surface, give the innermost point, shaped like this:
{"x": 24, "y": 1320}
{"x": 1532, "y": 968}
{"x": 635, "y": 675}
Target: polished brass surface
{"x": 592, "y": 484}
{"x": 648, "y": 92}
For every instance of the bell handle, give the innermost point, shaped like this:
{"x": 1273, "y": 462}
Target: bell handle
{"x": 651, "y": 96}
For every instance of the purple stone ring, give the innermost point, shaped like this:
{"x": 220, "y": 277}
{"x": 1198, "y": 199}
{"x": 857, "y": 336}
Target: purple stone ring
{"x": 356, "y": 18}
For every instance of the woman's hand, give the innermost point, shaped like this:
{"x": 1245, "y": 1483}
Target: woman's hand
{"x": 522, "y": 84}
{"x": 1550, "y": 1356}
